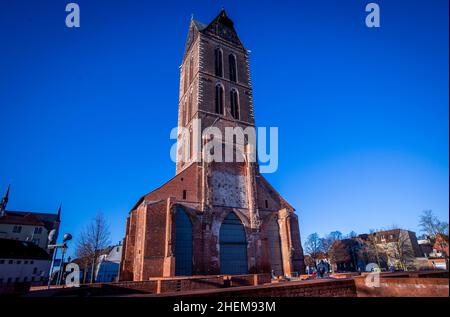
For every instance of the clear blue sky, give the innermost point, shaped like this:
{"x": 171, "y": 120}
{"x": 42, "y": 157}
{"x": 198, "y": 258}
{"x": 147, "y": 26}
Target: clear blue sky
{"x": 85, "y": 114}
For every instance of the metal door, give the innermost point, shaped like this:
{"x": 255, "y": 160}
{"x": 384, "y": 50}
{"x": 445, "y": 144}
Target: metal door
{"x": 233, "y": 246}
{"x": 183, "y": 244}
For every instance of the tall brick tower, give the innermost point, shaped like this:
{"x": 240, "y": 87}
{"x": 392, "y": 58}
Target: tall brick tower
{"x": 212, "y": 217}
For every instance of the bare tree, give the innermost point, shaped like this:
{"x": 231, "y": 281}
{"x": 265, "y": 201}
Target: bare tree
{"x": 83, "y": 256}
{"x": 372, "y": 246}
{"x": 402, "y": 250}
{"x": 314, "y": 246}
{"x": 436, "y": 230}
{"x": 431, "y": 225}
{"x": 328, "y": 241}
{"x": 309, "y": 261}
{"x": 93, "y": 239}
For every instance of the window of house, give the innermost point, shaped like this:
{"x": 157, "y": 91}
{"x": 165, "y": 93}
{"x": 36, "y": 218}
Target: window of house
{"x": 267, "y": 203}
{"x": 35, "y": 270}
{"x": 17, "y": 229}
{"x": 10, "y": 262}
{"x": 19, "y": 262}
{"x": 25, "y": 262}
{"x": 2, "y": 261}
{"x": 219, "y": 99}
{"x": 234, "y": 102}
{"x": 232, "y": 66}
{"x": 38, "y": 230}
{"x": 218, "y": 62}
{"x": 184, "y": 194}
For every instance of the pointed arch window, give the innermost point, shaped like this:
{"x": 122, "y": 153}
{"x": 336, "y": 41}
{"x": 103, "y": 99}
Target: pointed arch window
{"x": 183, "y": 243}
{"x": 234, "y": 102}
{"x": 189, "y": 107}
{"x": 186, "y": 115}
{"x": 186, "y": 76}
{"x": 233, "y": 67}
{"x": 191, "y": 144}
{"x": 218, "y": 62}
{"x": 191, "y": 69}
{"x": 219, "y": 99}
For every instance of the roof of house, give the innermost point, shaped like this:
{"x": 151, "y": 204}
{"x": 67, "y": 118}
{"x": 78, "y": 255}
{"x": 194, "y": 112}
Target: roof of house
{"x": 14, "y": 249}
{"x": 30, "y": 218}
{"x": 26, "y": 219}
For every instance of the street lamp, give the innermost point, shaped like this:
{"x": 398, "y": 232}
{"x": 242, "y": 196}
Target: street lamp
{"x": 52, "y": 239}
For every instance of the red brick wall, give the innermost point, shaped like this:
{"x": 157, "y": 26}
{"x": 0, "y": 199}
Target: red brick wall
{"x": 154, "y": 240}
{"x": 404, "y": 287}
{"x": 186, "y": 180}
{"x": 323, "y": 288}
{"x": 249, "y": 279}
{"x": 298, "y": 262}
{"x": 187, "y": 284}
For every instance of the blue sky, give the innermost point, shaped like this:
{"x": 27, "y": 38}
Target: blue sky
{"x": 85, "y": 114}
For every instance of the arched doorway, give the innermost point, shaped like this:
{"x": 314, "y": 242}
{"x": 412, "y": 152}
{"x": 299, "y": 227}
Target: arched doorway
{"x": 183, "y": 243}
{"x": 274, "y": 245}
{"x": 233, "y": 246}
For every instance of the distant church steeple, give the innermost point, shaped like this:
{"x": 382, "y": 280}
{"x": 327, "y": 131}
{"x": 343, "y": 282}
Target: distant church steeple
{"x": 4, "y": 202}
{"x": 59, "y": 212}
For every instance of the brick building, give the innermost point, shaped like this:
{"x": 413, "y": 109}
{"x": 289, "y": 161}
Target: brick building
{"x": 212, "y": 217}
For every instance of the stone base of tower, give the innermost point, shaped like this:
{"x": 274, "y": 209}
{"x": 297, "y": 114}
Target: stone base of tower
{"x": 172, "y": 236}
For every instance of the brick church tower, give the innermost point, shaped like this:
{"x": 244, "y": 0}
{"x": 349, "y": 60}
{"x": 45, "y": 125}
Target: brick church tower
{"x": 212, "y": 217}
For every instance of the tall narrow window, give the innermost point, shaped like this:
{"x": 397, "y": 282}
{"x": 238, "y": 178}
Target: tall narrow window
{"x": 218, "y": 62}
{"x": 191, "y": 144}
{"x": 234, "y": 102}
{"x": 232, "y": 65}
{"x": 219, "y": 99}
{"x": 185, "y": 112}
{"x": 186, "y": 79}
{"x": 191, "y": 69}
{"x": 189, "y": 108}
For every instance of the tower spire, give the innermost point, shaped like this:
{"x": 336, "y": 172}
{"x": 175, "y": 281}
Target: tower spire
{"x": 4, "y": 202}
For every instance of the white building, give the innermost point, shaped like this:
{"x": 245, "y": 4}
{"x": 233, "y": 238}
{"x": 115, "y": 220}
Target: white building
{"x": 22, "y": 262}
{"x": 108, "y": 265}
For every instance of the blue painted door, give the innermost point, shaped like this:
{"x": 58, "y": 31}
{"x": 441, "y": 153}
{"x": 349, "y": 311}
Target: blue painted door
{"x": 183, "y": 244}
{"x": 233, "y": 246}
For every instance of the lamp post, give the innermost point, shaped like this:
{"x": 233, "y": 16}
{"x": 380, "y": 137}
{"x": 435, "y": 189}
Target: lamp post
{"x": 55, "y": 247}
